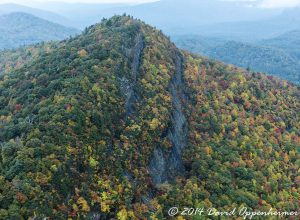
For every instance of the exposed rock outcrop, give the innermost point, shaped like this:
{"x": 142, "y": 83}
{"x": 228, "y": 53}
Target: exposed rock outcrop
{"x": 164, "y": 166}
{"x": 127, "y": 85}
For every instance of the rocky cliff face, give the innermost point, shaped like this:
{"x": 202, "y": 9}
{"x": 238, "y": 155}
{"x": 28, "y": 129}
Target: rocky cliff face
{"x": 164, "y": 166}
{"x": 128, "y": 85}
{"x": 119, "y": 123}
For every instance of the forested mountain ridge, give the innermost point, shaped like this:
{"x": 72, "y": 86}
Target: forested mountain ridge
{"x": 276, "y": 56}
{"x": 119, "y": 123}
{"x": 289, "y": 41}
{"x": 19, "y": 29}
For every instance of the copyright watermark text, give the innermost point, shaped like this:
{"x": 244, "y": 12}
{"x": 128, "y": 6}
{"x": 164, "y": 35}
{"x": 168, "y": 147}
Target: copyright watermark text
{"x": 244, "y": 212}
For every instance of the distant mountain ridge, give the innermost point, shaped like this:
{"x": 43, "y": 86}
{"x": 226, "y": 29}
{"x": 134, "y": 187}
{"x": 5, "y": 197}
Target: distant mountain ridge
{"x": 80, "y": 15}
{"x": 44, "y": 14}
{"x": 252, "y": 31}
{"x": 278, "y": 56}
{"x": 289, "y": 41}
{"x": 230, "y": 19}
{"x": 177, "y": 16}
{"x": 172, "y": 16}
{"x": 19, "y": 29}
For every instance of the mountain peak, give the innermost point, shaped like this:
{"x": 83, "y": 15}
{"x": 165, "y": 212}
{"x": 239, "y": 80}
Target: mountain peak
{"x": 124, "y": 28}
{"x": 119, "y": 123}
{"x": 119, "y": 22}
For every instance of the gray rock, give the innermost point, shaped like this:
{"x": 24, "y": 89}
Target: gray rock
{"x": 165, "y": 166}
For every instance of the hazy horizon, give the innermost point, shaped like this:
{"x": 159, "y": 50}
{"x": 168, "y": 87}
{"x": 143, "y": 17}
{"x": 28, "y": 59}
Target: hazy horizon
{"x": 249, "y": 3}
{"x": 39, "y": 2}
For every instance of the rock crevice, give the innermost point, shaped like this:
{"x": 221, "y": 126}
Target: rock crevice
{"x": 128, "y": 85}
{"x": 164, "y": 166}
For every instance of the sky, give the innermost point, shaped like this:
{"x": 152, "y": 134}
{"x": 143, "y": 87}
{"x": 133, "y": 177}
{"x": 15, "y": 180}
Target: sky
{"x": 279, "y": 3}
{"x": 271, "y": 3}
{"x": 260, "y": 3}
{"x": 26, "y": 2}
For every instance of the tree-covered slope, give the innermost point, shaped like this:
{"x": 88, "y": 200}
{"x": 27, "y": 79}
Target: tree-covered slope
{"x": 117, "y": 123}
{"x": 289, "y": 41}
{"x": 275, "y": 56}
{"x": 16, "y": 58}
{"x": 19, "y": 29}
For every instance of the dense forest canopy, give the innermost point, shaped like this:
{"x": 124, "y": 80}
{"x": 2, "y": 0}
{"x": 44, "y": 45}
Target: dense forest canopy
{"x": 117, "y": 123}
{"x": 13, "y": 59}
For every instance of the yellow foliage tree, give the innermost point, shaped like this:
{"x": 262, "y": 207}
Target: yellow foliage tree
{"x": 83, "y": 204}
